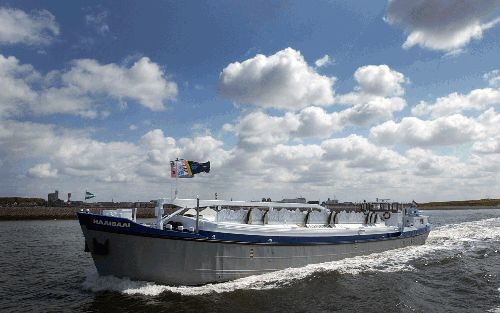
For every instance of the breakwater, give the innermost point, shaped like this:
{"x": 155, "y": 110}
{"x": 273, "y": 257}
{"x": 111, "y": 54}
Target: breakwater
{"x": 50, "y": 213}
{"x": 458, "y": 207}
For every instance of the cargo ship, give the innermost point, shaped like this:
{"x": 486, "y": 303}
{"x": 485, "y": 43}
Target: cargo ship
{"x": 209, "y": 241}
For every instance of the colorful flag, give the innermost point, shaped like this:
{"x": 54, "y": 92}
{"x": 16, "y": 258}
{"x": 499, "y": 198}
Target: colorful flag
{"x": 173, "y": 169}
{"x": 89, "y": 195}
{"x": 199, "y": 167}
{"x": 187, "y": 169}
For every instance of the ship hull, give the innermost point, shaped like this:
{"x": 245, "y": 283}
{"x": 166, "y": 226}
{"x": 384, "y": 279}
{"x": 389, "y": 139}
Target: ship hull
{"x": 196, "y": 261}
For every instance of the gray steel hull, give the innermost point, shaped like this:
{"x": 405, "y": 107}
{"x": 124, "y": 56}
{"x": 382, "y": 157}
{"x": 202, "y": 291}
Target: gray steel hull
{"x": 191, "y": 262}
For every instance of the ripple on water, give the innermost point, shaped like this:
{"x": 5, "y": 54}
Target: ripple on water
{"x": 445, "y": 245}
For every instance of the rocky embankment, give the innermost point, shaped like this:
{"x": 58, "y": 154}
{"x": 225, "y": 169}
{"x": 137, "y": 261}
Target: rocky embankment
{"x": 457, "y": 207}
{"x": 49, "y": 213}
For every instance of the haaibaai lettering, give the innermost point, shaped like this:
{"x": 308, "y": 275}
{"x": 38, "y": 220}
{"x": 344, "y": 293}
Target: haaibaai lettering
{"x": 111, "y": 223}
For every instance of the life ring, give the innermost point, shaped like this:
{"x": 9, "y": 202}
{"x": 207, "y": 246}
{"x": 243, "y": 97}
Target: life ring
{"x": 387, "y": 215}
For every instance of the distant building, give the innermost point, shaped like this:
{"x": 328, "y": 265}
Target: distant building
{"x": 53, "y": 199}
{"x": 329, "y": 204}
{"x": 296, "y": 200}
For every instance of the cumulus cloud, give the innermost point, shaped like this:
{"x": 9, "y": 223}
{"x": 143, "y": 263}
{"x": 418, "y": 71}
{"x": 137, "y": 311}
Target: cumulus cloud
{"x": 323, "y": 61}
{"x": 379, "y": 80}
{"x": 358, "y": 152}
{"x": 258, "y": 129}
{"x": 283, "y": 80}
{"x": 412, "y": 131}
{"x": 446, "y": 25}
{"x": 16, "y": 90}
{"x": 18, "y": 27}
{"x": 493, "y": 78}
{"x": 490, "y": 141}
{"x": 488, "y": 146}
{"x": 374, "y": 109}
{"x": 376, "y": 96}
{"x": 345, "y": 164}
{"x": 426, "y": 163}
{"x": 66, "y": 100}
{"x": 316, "y": 122}
{"x": 143, "y": 82}
{"x": 43, "y": 170}
{"x": 81, "y": 88}
{"x": 476, "y": 100}
{"x": 73, "y": 153}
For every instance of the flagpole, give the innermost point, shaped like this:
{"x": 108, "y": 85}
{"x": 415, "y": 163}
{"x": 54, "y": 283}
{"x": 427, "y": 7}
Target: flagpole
{"x": 171, "y": 189}
{"x": 176, "y": 177}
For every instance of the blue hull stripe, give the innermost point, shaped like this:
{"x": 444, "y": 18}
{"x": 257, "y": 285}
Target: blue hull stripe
{"x": 125, "y": 226}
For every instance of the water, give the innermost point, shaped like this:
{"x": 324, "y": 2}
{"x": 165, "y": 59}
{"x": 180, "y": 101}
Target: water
{"x": 44, "y": 269}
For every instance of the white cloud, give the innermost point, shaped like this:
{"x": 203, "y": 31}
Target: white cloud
{"x": 140, "y": 170}
{"x": 412, "y": 131}
{"x": 493, "y": 78}
{"x": 477, "y": 99}
{"x": 373, "y": 109}
{"x": 18, "y": 27}
{"x": 316, "y": 122}
{"x": 358, "y": 152}
{"x": 71, "y": 153}
{"x": 375, "y": 97}
{"x": 66, "y": 100}
{"x": 98, "y": 20}
{"x": 43, "y": 170}
{"x": 258, "y": 129}
{"x": 446, "y": 25}
{"x": 489, "y": 145}
{"x": 283, "y": 80}
{"x": 426, "y": 163}
{"x": 323, "y": 61}
{"x": 379, "y": 80}
{"x": 275, "y": 154}
{"x": 371, "y": 101}
{"x": 143, "y": 82}
{"x": 16, "y": 90}
{"x": 80, "y": 90}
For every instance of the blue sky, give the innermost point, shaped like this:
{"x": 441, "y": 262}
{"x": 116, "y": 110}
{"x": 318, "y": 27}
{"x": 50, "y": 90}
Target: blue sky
{"x": 355, "y": 100}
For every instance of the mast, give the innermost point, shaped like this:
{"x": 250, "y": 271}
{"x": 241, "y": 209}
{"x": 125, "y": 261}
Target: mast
{"x": 176, "y": 177}
{"x": 197, "y": 213}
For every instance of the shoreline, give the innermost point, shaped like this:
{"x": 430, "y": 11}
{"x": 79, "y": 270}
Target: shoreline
{"x": 457, "y": 207}
{"x": 69, "y": 213}
{"x": 59, "y": 213}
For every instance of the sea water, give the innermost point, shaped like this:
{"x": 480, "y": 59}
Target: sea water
{"x": 44, "y": 269}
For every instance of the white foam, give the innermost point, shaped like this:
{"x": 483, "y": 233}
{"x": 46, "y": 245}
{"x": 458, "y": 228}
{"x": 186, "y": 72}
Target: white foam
{"x": 452, "y": 237}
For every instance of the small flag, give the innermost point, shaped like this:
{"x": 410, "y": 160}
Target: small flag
{"x": 89, "y": 195}
{"x": 173, "y": 169}
{"x": 187, "y": 169}
{"x": 183, "y": 170}
{"x": 199, "y": 167}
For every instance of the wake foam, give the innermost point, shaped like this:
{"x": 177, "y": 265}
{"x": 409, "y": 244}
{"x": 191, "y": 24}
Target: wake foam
{"x": 442, "y": 241}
